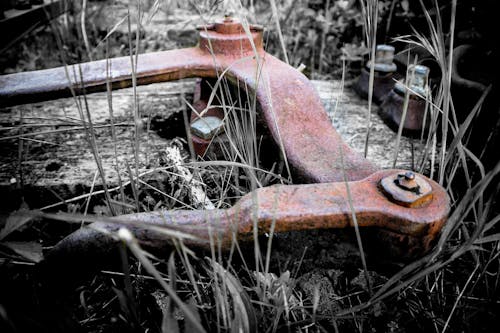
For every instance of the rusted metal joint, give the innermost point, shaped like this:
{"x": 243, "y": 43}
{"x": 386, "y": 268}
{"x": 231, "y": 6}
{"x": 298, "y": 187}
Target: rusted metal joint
{"x": 206, "y": 121}
{"x": 408, "y": 182}
{"x": 295, "y": 119}
{"x": 407, "y": 189}
{"x": 384, "y": 74}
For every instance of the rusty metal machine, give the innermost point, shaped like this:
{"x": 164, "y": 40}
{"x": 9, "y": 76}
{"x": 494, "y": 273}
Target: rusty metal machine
{"x": 408, "y": 208}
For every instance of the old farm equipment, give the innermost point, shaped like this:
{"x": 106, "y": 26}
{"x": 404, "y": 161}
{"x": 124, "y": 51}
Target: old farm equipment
{"x": 337, "y": 184}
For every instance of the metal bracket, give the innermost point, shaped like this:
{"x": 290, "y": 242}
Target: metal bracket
{"x": 297, "y": 122}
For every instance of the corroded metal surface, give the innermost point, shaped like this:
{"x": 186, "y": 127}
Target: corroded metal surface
{"x": 383, "y": 82}
{"x": 392, "y": 108}
{"x": 384, "y": 74}
{"x": 415, "y": 89}
{"x": 407, "y": 189}
{"x": 290, "y": 107}
{"x": 295, "y": 118}
{"x": 290, "y": 208}
{"x": 202, "y": 109}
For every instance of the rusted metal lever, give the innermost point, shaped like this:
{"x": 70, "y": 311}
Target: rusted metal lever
{"x": 408, "y": 206}
{"x": 414, "y": 220}
{"x": 288, "y": 102}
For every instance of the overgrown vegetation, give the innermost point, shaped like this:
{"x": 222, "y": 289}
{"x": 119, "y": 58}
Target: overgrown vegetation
{"x": 321, "y": 287}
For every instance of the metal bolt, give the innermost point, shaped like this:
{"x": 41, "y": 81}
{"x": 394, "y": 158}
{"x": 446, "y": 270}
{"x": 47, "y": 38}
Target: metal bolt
{"x": 256, "y": 27}
{"x": 206, "y": 127}
{"x": 420, "y": 77}
{"x": 408, "y": 182}
{"x": 229, "y": 26}
{"x": 409, "y": 175}
{"x": 407, "y": 189}
{"x": 384, "y": 54}
{"x": 417, "y": 78}
{"x": 384, "y": 59}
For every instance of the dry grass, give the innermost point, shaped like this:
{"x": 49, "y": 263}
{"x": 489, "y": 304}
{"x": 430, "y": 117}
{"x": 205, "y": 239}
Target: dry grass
{"x": 241, "y": 292}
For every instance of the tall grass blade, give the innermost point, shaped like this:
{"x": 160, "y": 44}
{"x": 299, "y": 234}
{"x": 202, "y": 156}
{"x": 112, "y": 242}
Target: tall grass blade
{"x": 127, "y": 237}
{"x": 274, "y": 9}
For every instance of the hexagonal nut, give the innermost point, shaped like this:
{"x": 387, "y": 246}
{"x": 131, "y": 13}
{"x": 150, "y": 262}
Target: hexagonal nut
{"x": 401, "y": 194}
{"x": 206, "y": 127}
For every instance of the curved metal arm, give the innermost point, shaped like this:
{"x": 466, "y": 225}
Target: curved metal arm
{"x": 410, "y": 231}
{"x": 291, "y": 208}
{"x": 296, "y": 120}
{"x": 289, "y": 104}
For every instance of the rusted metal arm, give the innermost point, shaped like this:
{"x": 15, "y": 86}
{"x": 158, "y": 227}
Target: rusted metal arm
{"x": 407, "y": 205}
{"x": 90, "y": 77}
{"x": 291, "y": 107}
{"x": 289, "y": 208}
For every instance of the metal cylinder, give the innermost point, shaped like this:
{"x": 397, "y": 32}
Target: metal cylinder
{"x": 384, "y": 70}
{"x": 416, "y": 80}
{"x": 391, "y": 111}
{"x": 384, "y": 59}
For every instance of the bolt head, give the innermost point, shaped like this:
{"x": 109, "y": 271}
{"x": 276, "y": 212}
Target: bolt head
{"x": 407, "y": 189}
{"x": 417, "y": 80}
{"x": 206, "y": 127}
{"x": 407, "y": 182}
{"x": 384, "y": 54}
{"x": 229, "y": 26}
{"x": 420, "y": 70}
{"x": 419, "y": 76}
{"x": 384, "y": 59}
{"x": 409, "y": 175}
